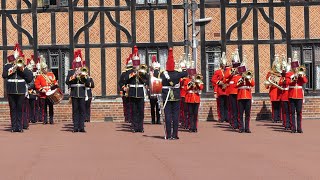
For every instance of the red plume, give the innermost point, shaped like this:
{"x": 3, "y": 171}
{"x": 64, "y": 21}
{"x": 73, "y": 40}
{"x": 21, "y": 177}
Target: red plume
{"x": 154, "y": 58}
{"x": 170, "y": 62}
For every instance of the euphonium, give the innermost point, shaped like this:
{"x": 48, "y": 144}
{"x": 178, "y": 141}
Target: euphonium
{"x": 247, "y": 75}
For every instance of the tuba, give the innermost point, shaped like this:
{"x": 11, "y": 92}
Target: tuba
{"x": 274, "y": 80}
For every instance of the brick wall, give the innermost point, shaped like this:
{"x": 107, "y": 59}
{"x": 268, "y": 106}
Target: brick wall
{"x": 111, "y": 109}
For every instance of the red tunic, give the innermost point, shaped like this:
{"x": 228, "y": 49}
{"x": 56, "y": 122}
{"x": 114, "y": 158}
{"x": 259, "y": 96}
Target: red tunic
{"x": 295, "y": 87}
{"x": 193, "y": 92}
{"x": 217, "y": 81}
{"x": 182, "y": 87}
{"x": 231, "y": 81}
{"x": 244, "y": 88}
{"x": 274, "y": 92}
{"x": 284, "y": 83}
{"x": 42, "y": 83}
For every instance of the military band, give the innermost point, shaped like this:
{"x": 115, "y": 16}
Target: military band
{"x": 28, "y": 86}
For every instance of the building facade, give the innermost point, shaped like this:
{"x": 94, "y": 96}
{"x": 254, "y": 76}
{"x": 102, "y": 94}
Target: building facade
{"x": 106, "y": 31}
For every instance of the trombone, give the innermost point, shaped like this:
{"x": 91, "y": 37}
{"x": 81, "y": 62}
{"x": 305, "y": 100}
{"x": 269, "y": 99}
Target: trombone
{"x": 18, "y": 63}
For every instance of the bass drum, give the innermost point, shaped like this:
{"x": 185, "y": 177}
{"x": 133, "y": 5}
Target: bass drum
{"x": 55, "y": 96}
{"x": 155, "y": 86}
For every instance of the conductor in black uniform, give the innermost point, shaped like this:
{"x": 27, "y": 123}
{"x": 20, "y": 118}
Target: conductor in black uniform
{"x": 171, "y": 96}
{"x": 137, "y": 78}
{"x": 16, "y": 77}
{"x": 77, "y": 80}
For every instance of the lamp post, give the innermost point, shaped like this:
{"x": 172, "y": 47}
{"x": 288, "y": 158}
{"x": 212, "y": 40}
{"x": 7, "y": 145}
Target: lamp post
{"x": 195, "y": 22}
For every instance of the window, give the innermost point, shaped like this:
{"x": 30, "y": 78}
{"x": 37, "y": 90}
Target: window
{"x": 309, "y": 56}
{"x": 150, "y": 2}
{"x": 147, "y": 53}
{"x": 213, "y": 55}
{"x": 48, "y": 3}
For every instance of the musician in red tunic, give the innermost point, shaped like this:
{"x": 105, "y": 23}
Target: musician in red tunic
{"x": 45, "y": 82}
{"x": 218, "y": 82}
{"x": 296, "y": 93}
{"x": 231, "y": 76}
{"x": 272, "y": 81}
{"x": 244, "y": 83}
{"x": 193, "y": 87}
{"x": 284, "y": 83}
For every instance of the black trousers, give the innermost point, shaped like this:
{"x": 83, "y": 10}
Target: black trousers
{"x": 296, "y": 107}
{"x": 38, "y": 110}
{"x": 127, "y": 109}
{"x": 88, "y": 109}
{"x": 193, "y": 115}
{"x": 171, "y": 112}
{"x": 233, "y": 107}
{"x": 25, "y": 113}
{"x": 154, "y": 110}
{"x": 244, "y": 106}
{"x": 184, "y": 114}
{"x": 78, "y": 113}
{"x": 276, "y": 109}
{"x": 44, "y": 105}
{"x": 16, "y": 102}
{"x": 137, "y": 113}
{"x": 32, "y": 110}
{"x": 223, "y": 100}
{"x": 285, "y": 114}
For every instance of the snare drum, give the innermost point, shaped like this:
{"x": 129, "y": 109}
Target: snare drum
{"x": 55, "y": 96}
{"x": 155, "y": 86}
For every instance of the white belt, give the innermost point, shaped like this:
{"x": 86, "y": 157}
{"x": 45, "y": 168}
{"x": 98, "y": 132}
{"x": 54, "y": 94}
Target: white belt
{"x": 244, "y": 87}
{"x": 77, "y": 85}
{"x": 16, "y": 80}
{"x": 169, "y": 87}
{"x": 135, "y": 86}
{"x": 285, "y": 88}
{"x": 88, "y": 88}
{"x": 193, "y": 91}
{"x": 231, "y": 82}
{"x": 295, "y": 87}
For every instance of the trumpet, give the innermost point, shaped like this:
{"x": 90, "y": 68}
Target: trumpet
{"x": 82, "y": 72}
{"x": 18, "y": 63}
{"x": 247, "y": 75}
{"x": 196, "y": 80}
{"x": 142, "y": 70}
{"x": 300, "y": 72}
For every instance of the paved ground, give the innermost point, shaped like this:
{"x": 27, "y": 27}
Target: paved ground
{"x": 109, "y": 151}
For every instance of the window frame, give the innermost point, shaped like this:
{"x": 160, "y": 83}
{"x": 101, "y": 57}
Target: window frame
{"x": 314, "y": 64}
{"x": 156, "y": 2}
{"x": 211, "y": 49}
{"x": 156, "y": 50}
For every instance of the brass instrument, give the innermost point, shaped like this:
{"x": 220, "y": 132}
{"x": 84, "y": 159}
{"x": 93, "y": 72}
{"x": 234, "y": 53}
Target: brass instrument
{"x": 233, "y": 71}
{"x": 247, "y": 75}
{"x": 142, "y": 70}
{"x": 196, "y": 80}
{"x": 18, "y": 63}
{"x": 84, "y": 71}
{"x": 300, "y": 72}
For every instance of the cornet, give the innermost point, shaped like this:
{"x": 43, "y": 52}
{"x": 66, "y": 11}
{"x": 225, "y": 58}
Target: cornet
{"x": 247, "y": 75}
{"x": 300, "y": 72}
{"x": 18, "y": 63}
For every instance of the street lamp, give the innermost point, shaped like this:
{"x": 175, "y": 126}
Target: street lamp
{"x": 195, "y": 22}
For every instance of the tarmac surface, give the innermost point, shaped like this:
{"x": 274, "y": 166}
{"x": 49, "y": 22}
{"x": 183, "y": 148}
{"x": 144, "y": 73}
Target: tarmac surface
{"x": 110, "y": 151}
